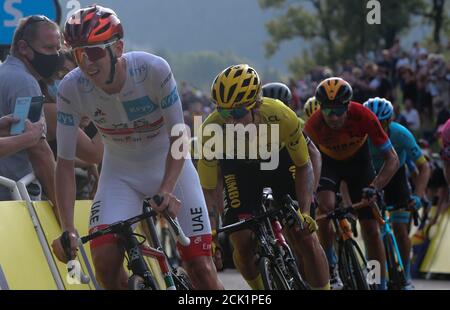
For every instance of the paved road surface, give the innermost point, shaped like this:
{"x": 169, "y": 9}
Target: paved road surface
{"x": 232, "y": 280}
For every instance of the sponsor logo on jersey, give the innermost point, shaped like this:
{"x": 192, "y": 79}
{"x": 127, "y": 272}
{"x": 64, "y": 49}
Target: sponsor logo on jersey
{"x": 139, "y": 107}
{"x": 123, "y": 129}
{"x": 233, "y": 191}
{"x": 65, "y": 119}
{"x": 166, "y": 80}
{"x": 170, "y": 99}
{"x": 99, "y": 112}
{"x": 197, "y": 219}
{"x": 95, "y": 213}
{"x": 84, "y": 85}
{"x": 139, "y": 73}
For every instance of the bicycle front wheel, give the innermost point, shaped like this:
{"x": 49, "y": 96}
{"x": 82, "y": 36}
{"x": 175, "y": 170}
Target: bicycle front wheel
{"x": 297, "y": 281}
{"x": 397, "y": 277}
{"x": 273, "y": 278}
{"x": 137, "y": 283}
{"x": 181, "y": 280}
{"x": 357, "y": 265}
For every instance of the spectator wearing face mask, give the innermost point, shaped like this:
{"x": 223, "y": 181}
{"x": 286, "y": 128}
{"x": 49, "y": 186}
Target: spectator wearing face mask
{"x": 34, "y": 57}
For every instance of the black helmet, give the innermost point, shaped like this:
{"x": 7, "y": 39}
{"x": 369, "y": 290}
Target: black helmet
{"x": 334, "y": 92}
{"x": 278, "y": 91}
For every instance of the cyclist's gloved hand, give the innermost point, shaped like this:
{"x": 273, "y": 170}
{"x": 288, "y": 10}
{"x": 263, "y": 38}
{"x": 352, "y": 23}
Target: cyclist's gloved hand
{"x": 425, "y": 202}
{"x": 67, "y": 242}
{"x": 369, "y": 193}
{"x": 216, "y": 251}
{"x": 165, "y": 200}
{"x": 415, "y": 202}
{"x": 310, "y": 223}
{"x": 308, "y": 220}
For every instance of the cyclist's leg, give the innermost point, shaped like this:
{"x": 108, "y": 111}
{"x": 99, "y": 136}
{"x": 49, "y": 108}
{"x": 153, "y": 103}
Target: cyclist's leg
{"x": 397, "y": 193}
{"x": 305, "y": 244}
{"x": 114, "y": 201}
{"x": 194, "y": 221}
{"x": 243, "y": 192}
{"x": 328, "y": 186}
{"x": 359, "y": 174}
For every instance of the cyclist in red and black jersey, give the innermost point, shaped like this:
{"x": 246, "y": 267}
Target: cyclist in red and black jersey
{"x": 341, "y": 130}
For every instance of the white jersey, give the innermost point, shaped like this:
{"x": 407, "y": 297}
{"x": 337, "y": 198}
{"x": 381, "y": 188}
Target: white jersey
{"x": 135, "y": 125}
{"x": 131, "y": 122}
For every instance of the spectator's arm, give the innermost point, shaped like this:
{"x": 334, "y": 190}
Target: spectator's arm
{"x": 50, "y": 118}
{"x": 41, "y": 159}
{"x": 13, "y": 144}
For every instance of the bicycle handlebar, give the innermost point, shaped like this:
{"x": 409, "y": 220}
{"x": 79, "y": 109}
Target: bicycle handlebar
{"x": 174, "y": 226}
{"x": 360, "y": 205}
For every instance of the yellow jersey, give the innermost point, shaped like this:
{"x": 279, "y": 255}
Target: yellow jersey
{"x": 271, "y": 112}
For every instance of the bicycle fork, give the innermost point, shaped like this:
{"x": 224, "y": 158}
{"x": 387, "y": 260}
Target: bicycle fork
{"x": 387, "y": 231}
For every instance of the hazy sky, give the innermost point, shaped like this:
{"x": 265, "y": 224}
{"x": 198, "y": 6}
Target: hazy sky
{"x": 193, "y": 25}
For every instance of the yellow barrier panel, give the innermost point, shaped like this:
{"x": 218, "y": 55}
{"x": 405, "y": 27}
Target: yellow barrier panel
{"x": 436, "y": 260}
{"x": 52, "y": 230}
{"x": 21, "y": 257}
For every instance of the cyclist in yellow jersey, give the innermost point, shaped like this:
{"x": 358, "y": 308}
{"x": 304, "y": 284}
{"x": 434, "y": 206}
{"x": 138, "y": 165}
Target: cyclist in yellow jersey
{"x": 237, "y": 93}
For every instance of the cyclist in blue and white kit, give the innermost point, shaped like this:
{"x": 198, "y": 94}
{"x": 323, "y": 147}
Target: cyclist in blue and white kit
{"x": 132, "y": 98}
{"x": 398, "y": 192}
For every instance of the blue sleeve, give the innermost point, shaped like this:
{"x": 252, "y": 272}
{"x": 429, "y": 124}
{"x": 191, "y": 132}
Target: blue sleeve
{"x": 413, "y": 151}
{"x": 410, "y": 164}
{"x": 385, "y": 146}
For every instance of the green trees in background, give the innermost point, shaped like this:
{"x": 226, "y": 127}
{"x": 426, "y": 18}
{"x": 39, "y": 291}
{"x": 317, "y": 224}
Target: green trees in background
{"x": 200, "y": 68}
{"x": 338, "y": 30}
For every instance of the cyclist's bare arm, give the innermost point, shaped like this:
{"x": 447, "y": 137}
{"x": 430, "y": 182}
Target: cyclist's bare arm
{"x": 89, "y": 150}
{"x": 390, "y": 166}
{"x": 421, "y": 181}
{"x": 316, "y": 160}
{"x": 65, "y": 189}
{"x": 214, "y": 202}
{"x": 172, "y": 169}
{"x": 304, "y": 186}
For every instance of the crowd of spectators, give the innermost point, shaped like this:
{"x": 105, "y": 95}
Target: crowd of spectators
{"x": 416, "y": 81}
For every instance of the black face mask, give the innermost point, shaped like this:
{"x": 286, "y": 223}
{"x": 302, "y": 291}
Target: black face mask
{"x": 45, "y": 65}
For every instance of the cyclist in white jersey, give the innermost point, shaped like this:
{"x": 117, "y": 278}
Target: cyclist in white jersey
{"x": 133, "y": 100}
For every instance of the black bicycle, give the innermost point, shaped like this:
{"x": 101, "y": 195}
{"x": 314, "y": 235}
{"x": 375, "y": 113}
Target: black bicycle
{"x": 352, "y": 263}
{"x": 141, "y": 276}
{"x": 276, "y": 261}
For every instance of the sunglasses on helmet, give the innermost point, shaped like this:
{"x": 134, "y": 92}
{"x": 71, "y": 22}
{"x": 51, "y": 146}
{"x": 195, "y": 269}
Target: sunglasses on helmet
{"x": 236, "y": 113}
{"x": 338, "y": 111}
{"x": 92, "y": 52}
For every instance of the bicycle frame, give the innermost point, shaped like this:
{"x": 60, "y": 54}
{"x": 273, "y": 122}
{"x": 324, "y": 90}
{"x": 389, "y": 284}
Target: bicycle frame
{"x": 387, "y": 230}
{"x": 135, "y": 250}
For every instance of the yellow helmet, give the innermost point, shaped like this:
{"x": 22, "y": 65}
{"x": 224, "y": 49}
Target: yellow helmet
{"x": 236, "y": 86}
{"x": 311, "y": 106}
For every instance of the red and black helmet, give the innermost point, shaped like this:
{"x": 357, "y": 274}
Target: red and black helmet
{"x": 92, "y": 25}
